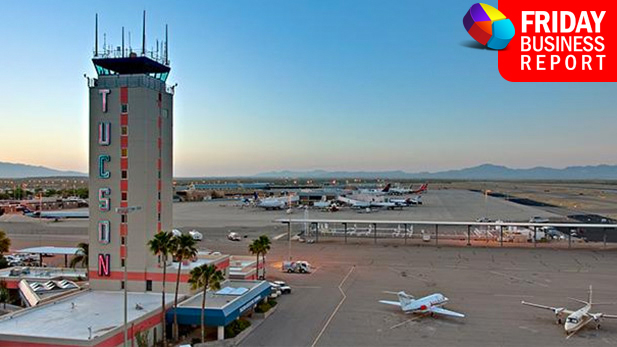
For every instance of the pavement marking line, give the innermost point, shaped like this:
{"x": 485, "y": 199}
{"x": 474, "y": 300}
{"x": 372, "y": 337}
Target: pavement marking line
{"x": 278, "y": 237}
{"x": 404, "y": 322}
{"x": 336, "y": 308}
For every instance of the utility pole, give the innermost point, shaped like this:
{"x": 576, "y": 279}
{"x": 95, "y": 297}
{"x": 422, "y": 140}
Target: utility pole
{"x": 124, "y": 211}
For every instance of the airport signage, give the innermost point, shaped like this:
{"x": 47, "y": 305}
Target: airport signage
{"x": 560, "y": 41}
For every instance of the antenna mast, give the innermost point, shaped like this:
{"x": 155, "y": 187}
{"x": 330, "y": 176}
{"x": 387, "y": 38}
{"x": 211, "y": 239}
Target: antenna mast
{"x": 166, "y": 47}
{"x": 96, "y": 35}
{"x": 143, "y": 36}
{"x": 122, "y": 42}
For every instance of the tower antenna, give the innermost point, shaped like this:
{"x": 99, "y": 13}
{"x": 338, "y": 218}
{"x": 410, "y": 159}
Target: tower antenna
{"x": 96, "y": 34}
{"x": 143, "y": 36}
{"x": 166, "y": 47}
{"x": 122, "y": 42}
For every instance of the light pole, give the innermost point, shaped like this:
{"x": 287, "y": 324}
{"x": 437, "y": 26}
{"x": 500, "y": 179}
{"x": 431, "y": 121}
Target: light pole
{"x": 124, "y": 211}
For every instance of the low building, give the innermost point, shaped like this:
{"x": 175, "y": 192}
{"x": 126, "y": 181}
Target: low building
{"x": 243, "y": 267}
{"x": 89, "y": 318}
{"x": 234, "y": 299}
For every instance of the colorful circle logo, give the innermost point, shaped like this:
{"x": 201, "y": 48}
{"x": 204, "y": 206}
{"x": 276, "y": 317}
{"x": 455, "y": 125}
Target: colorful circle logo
{"x": 488, "y": 26}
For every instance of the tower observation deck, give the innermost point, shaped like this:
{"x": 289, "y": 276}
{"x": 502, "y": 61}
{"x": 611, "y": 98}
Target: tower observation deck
{"x": 123, "y": 60}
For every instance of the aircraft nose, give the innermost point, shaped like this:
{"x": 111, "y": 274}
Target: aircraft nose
{"x": 568, "y": 327}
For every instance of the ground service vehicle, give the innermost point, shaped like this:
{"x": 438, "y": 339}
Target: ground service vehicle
{"x": 296, "y": 266}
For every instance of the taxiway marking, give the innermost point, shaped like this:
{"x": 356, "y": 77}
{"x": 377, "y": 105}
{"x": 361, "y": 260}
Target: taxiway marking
{"x": 336, "y": 308}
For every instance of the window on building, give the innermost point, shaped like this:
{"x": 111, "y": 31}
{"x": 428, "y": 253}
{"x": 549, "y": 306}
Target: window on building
{"x": 125, "y": 130}
{"x": 159, "y": 217}
{"x": 125, "y": 174}
{"x": 125, "y": 108}
{"x": 123, "y": 240}
{"x": 124, "y": 196}
{"x": 125, "y": 152}
{"x": 122, "y": 262}
{"x": 121, "y": 284}
{"x": 159, "y": 174}
{"x": 159, "y": 195}
{"x": 123, "y": 218}
{"x": 148, "y": 285}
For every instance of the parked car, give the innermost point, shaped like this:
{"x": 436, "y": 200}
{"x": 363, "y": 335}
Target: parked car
{"x": 232, "y": 236}
{"x": 196, "y": 235}
{"x": 275, "y": 290}
{"x": 538, "y": 219}
{"x": 285, "y": 289}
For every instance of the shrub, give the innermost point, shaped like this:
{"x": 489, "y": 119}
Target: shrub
{"x": 236, "y": 327}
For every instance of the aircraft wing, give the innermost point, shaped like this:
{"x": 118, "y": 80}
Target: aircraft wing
{"x": 395, "y": 303}
{"x": 445, "y": 312}
{"x": 609, "y": 316}
{"x": 554, "y": 309}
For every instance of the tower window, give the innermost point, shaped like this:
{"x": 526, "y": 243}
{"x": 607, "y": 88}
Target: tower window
{"x": 124, "y": 196}
{"x": 125, "y": 130}
{"x": 159, "y": 195}
{"x": 125, "y": 152}
{"x": 122, "y": 284}
{"x": 122, "y": 262}
{"x": 125, "y": 108}
{"x": 124, "y": 174}
{"x": 123, "y": 218}
{"x": 159, "y": 217}
{"x": 123, "y": 240}
{"x": 148, "y": 285}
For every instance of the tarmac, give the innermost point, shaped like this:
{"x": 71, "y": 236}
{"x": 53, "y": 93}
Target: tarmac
{"x": 337, "y": 305}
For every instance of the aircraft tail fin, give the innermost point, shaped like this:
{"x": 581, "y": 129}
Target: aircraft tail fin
{"x": 404, "y": 298}
{"x": 386, "y": 188}
{"x": 590, "y": 294}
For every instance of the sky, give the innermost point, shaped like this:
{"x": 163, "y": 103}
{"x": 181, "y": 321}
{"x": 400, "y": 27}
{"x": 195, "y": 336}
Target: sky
{"x": 298, "y": 85}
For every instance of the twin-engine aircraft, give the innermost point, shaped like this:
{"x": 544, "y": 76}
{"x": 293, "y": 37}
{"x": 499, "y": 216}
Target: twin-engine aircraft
{"x": 575, "y": 320}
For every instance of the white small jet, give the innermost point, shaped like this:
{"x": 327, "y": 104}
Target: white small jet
{"x": 278, "y": 203}
{"x": 383, "y": 191}
{"x": 353, "y": 203}
{"x": 430, "y": 304}
{"x": 575, "y": 320}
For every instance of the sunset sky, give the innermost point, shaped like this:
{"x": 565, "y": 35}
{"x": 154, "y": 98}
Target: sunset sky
{"x": 299, "y": 85}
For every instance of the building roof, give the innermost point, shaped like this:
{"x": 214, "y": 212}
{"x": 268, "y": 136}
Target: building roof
{"x": 220, "y": 300}
{"x": 70, "y": 317}
{"x": 50, "y": 250}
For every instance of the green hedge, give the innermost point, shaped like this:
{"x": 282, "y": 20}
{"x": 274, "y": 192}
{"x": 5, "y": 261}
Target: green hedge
{"x": 236, "y": 327}
{"x": 264, "y": 307}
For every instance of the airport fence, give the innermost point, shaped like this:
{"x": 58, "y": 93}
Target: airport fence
{"x": 482, "y": 234}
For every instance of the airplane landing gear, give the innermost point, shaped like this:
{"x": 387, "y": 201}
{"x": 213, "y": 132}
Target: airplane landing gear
{"x": 558, "y": 321}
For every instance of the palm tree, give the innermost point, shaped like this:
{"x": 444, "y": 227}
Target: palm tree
{"x": 5, "y": 243}
{"x": 162, "y": 245}
{"x": 184, "y": 249}
{"x": 205, "y": 277}
{"x": 81, "y": 256}
{"x": 255, "y": 249}
{"x": 264, "y": 245}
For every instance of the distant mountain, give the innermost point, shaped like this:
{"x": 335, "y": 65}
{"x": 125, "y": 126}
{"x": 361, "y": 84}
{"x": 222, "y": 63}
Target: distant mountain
{"x": 13, "y": 170}
{"x": 481, "y": 172}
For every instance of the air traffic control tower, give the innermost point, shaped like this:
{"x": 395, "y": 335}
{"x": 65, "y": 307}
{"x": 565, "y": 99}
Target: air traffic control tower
{"x": 131, "y": 119}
